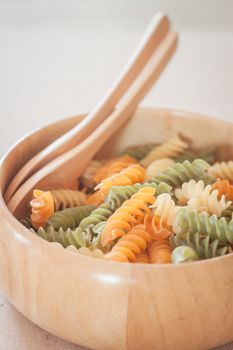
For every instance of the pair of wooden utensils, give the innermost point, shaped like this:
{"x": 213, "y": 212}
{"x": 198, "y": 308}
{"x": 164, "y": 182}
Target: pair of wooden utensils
{"x": 63, "y": 161}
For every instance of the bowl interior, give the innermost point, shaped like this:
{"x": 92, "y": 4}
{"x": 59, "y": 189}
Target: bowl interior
{"x": 103, "y": 305}
{"x": 147, "y": 125}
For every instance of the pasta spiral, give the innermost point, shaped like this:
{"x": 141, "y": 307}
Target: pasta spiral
{"x": 224, "y": 187}
{"x": 75, "y": 237}
{"x": 208, "y": 202}
{"x": 223, "y": 170}
{"x": 201, "y": 198}
{"x": 113, "y": 167}
{"x": 183, "y": 172}
{"x": 189, "y": 190}
{"x": 130, "y": 245}
{"x": 159, "y": 252}
{"x": 92, "y": 252}
{"x": 70, "y": 217}
{"x": 27, "y": 222}
{"x": 208, "y": 155}
{"x": 188, "y": 220}
{"x": 131, "y": 212}
{"x": 67, "y": 199}
{"x": 87, "y": 178}
{"x": 128, "y": 176}
{"x": 139, "y": 152}
{"x": 98, "y": 215}
{"x": 42, "y": 208}
{"x": 169, "y": 149}
{"x": 118, "y": 194}
{"x": 204, "y": 247}
{"x": 156, "y": 228}
{"x": 158, "y": 166}
{"x": 96, "y": 198}
{"x": 142, "y": 258}
{"x": 165, "y": 209}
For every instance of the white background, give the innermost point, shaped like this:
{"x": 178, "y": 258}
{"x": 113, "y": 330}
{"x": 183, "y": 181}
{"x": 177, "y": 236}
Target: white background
{"x": 58, "y": 57}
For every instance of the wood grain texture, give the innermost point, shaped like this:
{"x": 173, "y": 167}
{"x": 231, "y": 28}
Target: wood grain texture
{"x": 107, "y": 305}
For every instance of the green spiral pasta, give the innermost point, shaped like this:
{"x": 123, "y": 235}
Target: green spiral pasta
{"x": 208, "y": 155}
{"x": 118, "y": 194}
{"x": 67, "y": 199}
{"x": 204, "y": 247}
{"x": 76, "y": 237}
{"x": 139, "y": 152}
{"x": 188, "y": 220}
{"x": 26, "y": 222}
{"x": 179, "y": 173}
{"x": 70, "y": 217}
{"x": 98, "y": 215}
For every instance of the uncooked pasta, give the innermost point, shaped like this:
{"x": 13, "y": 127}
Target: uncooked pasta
{"x": 153, "y": 204}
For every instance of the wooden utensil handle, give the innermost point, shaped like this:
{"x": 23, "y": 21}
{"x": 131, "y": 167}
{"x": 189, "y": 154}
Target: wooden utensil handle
{"x": 156, "y": 31}
{"x": 65, "y": 169}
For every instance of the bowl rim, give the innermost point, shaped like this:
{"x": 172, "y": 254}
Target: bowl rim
{"x": 29, "y": 237}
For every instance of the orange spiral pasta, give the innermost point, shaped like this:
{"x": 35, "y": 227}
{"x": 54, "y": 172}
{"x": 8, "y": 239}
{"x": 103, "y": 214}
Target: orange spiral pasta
{"x": 96, "y": 198}
{"x": 224, "y": 188}
{"x": 132, "y": 174}
{"x": 42, "y": 208}
{"x": 131, "y": 213}
{"x": 142, "y": 258}
{"x": 130, "y": 245}
{"x": 112, "y": 167}
{"x": 158, "y": 229}
{"x": 159, "y": 252}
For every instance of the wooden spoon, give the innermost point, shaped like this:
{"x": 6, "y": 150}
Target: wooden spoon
{"x": 62, "y": 171}
{"x": 155, "y": 33}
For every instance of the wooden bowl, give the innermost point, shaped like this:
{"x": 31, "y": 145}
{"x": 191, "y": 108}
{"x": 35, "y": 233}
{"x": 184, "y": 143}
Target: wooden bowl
{"x": 107, "y": 305}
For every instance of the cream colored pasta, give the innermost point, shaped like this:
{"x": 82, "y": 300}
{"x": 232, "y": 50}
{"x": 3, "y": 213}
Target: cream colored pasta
{"x": 189, "y": 190}
{"x": 158, "y": 166}
{"x": 208, "y": 202}
{"x": 169, "y": 149}
{"x": 165, "y": 208}
{"x": 223, "y": 170}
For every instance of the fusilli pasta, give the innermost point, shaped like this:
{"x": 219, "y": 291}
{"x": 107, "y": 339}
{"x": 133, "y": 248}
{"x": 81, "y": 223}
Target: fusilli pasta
{"x": 158, "y": 166}
{"x": 130, "y": 245}
{"x": 118, "y": 194}
{"x": 113, "y": 167}
{"x": 42, "y": 208}
{"x": 129, "y": 214}
{"x": 223, "y": 170}
{"x": 204, "y": 247}
{"x": 208, "y": 202}
{"x": 87, "y": 178}
{"x": 189, "y": 220}
{"x": 169, "y": 149}
{"x": 142, "y": 258}
{"x": 224, "y": 188}
{"x": 75, "y": 237}
{"x": 67, "y": 199}
{"x": 159, "y": 252}
{"x": 139, "y": 152}
{"x": 128, "y": 176}
{"x": 183, "y": 172}
{"x": 97, "y": 216}
{"x": 70, "y": 217}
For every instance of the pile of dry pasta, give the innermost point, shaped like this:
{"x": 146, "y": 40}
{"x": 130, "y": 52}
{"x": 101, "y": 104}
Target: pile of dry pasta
{"x": 154, "y": 204}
